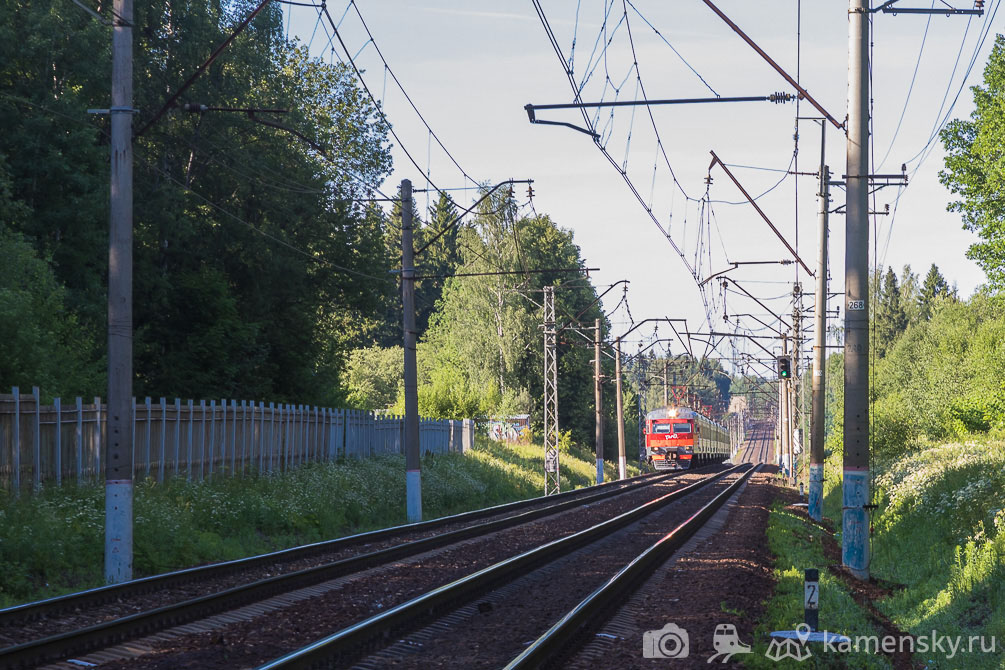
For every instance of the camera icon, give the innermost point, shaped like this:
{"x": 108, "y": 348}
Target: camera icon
{"x": 671, "y": 641}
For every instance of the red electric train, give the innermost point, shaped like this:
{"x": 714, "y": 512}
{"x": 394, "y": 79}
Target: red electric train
{"x": 676, "y": 437}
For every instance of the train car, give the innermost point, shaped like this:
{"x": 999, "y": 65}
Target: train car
{"x": 676, "y": 437}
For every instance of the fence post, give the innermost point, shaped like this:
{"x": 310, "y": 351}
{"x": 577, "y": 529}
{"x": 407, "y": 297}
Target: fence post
{"x": 261, "y": 438}
{"x": 306, "y": 421}
{"x": 336, "y": 421}
{"x": 164, "y": 420}
{"x": 59, "y": 441}
{"x": 191, "y": 417}
{"x": 298, "y": 426}
{"x": 212, "y": 436}
{"x": 233, "y": 438}
{"x": 177, "y": 435}
{"x": 79, "y": 436}
{"x": 305, "y": 426}
{"x": 223, "y": 434}
{"x": 97, "y": 433}
{"x": 284, "y": 431}
{"x": 300, "y": 435}
{"x": 323, "y": 436}
{"x": 149, "y": 421}
{"x": 38, "y": 441}
{"x": 202, "y": 441}
{"x": 349, "y": 443}
{"x": 272, "y": 434}
{"x": 291, "y": 434}
{"x": 17, "y": 440}
{"x": 306, "y": 434}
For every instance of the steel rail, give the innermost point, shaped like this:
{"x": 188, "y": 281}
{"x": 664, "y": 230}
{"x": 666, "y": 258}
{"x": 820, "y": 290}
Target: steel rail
{"x": 111, "y": 593}
{"x": 348, "y": 642}
{"x": 548, "y": 649}
{"x": 59, "y": 646}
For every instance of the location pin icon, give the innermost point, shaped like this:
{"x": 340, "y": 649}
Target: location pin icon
{"x": 803, "y": 633}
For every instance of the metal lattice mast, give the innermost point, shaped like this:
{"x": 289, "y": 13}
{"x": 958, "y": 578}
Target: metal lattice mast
{"x": 551, "y": 472}
{"x": 796, "y": 386}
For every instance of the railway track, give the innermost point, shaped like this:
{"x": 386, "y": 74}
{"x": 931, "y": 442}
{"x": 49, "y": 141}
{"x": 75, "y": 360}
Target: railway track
{"x": 562, "y": 642}
{"x": 478, "y": 619}
{"x": 71, "y": 625}
{"x": 756, "y": 449}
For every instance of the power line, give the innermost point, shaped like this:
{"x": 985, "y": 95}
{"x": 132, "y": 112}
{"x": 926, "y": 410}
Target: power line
{"x": 589, "y": 124}
{"x": 377, "y": 106}
{"x": 408, "y": 98}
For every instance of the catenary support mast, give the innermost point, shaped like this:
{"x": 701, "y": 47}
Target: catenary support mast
{"x": 816, "y": 493}
{"x": 413, "y": 472}
{"x": 855, "y": 486}
{"x": 119, "y": 460}
{"x": 598, "y": 400}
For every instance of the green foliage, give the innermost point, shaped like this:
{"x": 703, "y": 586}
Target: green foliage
{"x": 890, "y": 319}
{"x": 934, "y": 289}
{"x": 52, "y": 541}
{"x": 945, "y": 498}
{"x": 975, "y": 167}
{"x": 943, "y": 377}
{"x": 224, "y": 303}
{"x": 41, "y": 343}
{"x": 482, "y": 353}
{"x": 798, "y": 545}
{"x": 374, "y": 377}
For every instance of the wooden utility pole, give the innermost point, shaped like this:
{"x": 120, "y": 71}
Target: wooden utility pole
{"x": 413, "y": 463}
{"x": 598, "y": 402}
{"x": 119, "y": 461}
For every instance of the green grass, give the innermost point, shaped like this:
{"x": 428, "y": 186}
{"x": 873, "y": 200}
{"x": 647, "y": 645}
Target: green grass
{"x": 940, "y": 532}
{"x": 53, "y": 542}
{"x": 798, "y": 545}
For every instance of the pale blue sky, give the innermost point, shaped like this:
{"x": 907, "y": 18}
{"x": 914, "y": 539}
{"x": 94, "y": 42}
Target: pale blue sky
{"x": 471, "y": 67}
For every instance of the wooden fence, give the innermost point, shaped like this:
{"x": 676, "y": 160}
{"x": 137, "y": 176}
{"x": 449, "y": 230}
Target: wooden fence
{"x": 64, "y": 442}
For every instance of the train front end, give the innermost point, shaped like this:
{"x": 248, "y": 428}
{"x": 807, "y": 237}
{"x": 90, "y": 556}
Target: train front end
{"x": 670, "y": 437}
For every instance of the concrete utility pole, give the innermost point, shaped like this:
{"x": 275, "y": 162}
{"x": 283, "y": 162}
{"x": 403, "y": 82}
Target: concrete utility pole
{"x": 413, "y": 463}
{"x": 816, "y": 496}
{"x": 119, "y": 461}
{"x": 786, "y": 417}
{"x": 552, "y": 480}
{"x": 598, "y": 402}
{"x": 622, "y": 464}
{"x": 855, "y": 486}
{"x": 796, "y": 384}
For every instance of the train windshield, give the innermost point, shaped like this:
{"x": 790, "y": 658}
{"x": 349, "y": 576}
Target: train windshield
{"x": 661, "y": 428}
{"x": 682, "y": 428}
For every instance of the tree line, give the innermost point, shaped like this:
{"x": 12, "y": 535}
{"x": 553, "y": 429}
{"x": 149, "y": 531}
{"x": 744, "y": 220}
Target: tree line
{"x": 262, "y": 266}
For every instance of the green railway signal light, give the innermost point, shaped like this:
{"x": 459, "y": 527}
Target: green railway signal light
{"x": 784, "y": 367}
